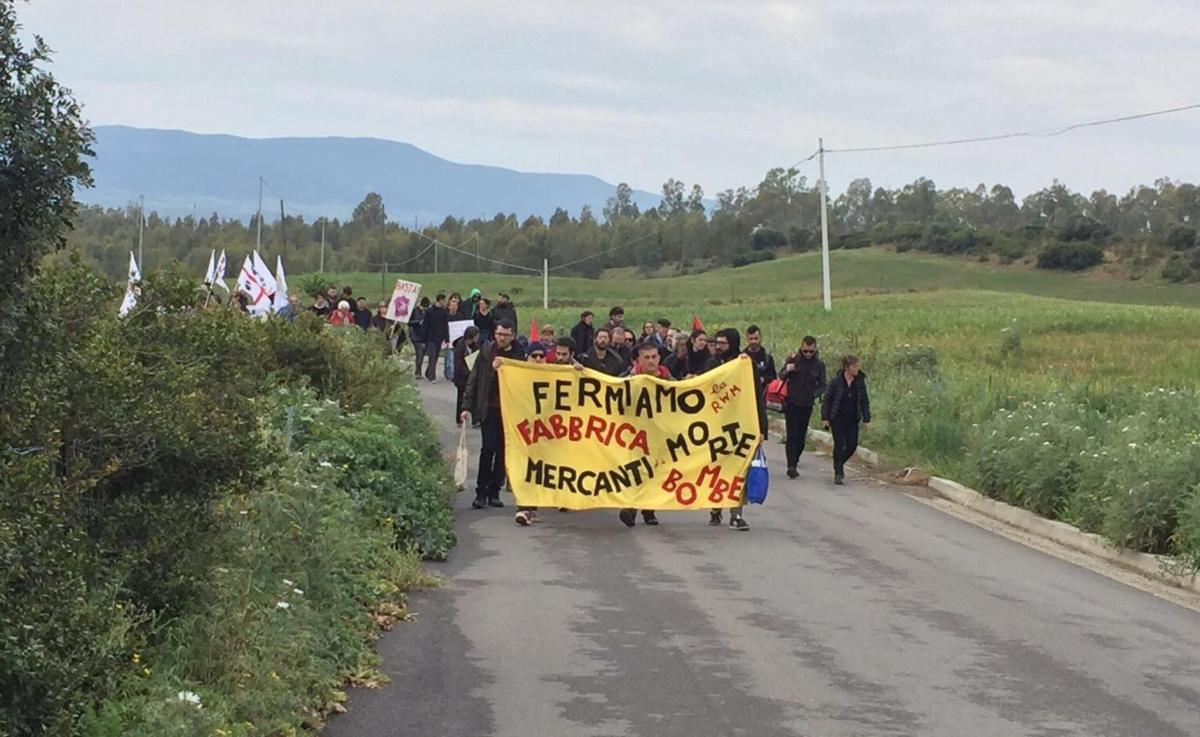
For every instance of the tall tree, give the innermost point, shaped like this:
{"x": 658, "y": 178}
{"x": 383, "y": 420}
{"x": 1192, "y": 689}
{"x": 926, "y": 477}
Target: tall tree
{"x": 370, "y": 213}
{"x": 43, "y": 142}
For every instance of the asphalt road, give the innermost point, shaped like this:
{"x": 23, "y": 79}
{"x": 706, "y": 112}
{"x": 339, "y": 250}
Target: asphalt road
{"x": 851, "y": 610}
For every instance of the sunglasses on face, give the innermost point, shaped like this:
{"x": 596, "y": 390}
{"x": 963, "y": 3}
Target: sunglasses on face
{"x": 537, "y": 355}
{"x": 807, "y": 352}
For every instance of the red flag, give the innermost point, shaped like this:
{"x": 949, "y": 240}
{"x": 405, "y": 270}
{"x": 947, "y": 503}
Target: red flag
{"x": 696, "y": 324}
{"x": 533, "y": 332}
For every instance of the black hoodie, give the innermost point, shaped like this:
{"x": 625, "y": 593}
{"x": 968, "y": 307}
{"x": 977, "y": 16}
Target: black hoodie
{"x": 807, "y": 381}
{"x": 732, "y": 354}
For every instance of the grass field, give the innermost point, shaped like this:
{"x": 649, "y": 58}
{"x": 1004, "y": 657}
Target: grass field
{"x": 1073, "y": 395}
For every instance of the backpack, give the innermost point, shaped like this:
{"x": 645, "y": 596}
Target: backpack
{"x": 777, "y": 392}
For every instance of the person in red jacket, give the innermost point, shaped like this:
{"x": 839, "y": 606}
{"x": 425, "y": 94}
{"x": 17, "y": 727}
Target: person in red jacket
{"x": 342, "y": 316}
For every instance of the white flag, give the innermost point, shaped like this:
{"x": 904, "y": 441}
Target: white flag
{"x": 212, "y": 266}
{"x": 219, "y": 272}
{"x": 281, "y": 294}
{"x": 135, "y": 274}
{"x": 133, "y": 288}
{"x": 263, "y": 274}
{"x": 249, "y": 285}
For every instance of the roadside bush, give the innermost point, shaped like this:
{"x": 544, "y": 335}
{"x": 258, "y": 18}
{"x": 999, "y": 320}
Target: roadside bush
{"x": 1070, "y": 256}
{"x": 1181, "y": 237}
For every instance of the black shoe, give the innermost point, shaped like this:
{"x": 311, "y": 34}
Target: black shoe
{"x": 739, "y": 524}
{"x": 629, "y": 517}
{"x": 495, "y": 503}
{"x": 792, "y": 472}
{"x": 478, "y": 503}
{"x": 839, "y": 480}
{"x": 650, "y": 518}
{"x": 714, "y": 517}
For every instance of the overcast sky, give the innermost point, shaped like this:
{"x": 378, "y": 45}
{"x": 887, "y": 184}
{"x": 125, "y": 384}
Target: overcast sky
{"x": 708, "y": 92}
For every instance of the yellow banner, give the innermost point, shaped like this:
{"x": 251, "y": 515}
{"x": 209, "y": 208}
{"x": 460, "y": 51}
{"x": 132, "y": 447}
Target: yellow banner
{"x": 583, "y": 440}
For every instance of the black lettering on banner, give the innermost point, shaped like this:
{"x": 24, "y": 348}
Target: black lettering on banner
{"x": 642, "y": 407}
{"x": 661, "y": 392}
{"x": 541, "y": 392}
{"x": 615, "y": 394}
{"x": 533, "y": 472}
{"x": 562, "y": 395}
{"x": 583, "y": 489}
{"x": 691, "y": 401}
{"x": 589, "y": 388}
{"x": 566, "y": 478}
{"x": 620, "y": 478}
{"x": 603, "y": 484}
{"x": 698, "y": 433}
{"x": 674, "y": 446}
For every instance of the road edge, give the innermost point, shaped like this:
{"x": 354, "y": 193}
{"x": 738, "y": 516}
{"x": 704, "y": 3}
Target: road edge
{"x": 1158, "y": 568}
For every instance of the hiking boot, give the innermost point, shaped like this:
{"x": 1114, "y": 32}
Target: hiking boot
{"x": 522, "y": 519}
{"x": 478, "y": 503}
{"x": 628, "y": 516}
{"x": 495, "y": 503}
{"x": 792, "y": 472}
{"x": 650, "y": 518}
{"x": 739, "y": 524}
{"x": 714, "y": 517}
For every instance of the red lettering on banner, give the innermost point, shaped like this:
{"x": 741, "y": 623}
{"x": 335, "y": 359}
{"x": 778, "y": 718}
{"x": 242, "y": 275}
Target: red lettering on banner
{"x": 575, "y": 424}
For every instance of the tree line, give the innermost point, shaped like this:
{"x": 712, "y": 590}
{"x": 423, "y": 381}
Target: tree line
{"x": 1057, "y": 226}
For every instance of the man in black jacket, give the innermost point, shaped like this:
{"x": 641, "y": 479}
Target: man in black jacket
{"x": 601, "y": 358}
{"x": 416, "y": 331}
{"x": 582, "y": 333}
{"x": 762, "y": 359}
{"x": 482, "y": 399}
{"x": 846, "y": 405}
{"x": 462, "y": 348}
{"x": 437, "y": 332}
{"x": 729, "y": 349}
{"x": 504, "y": 310}
{"x": 804, "y": 372}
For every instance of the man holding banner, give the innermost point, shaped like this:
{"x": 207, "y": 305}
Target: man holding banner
{"x": 579, "y": 439}
{"x": 483, "y": 399}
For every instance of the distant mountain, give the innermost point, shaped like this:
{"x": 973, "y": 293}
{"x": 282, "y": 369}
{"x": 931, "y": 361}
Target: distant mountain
{"x": 178, "y": 170}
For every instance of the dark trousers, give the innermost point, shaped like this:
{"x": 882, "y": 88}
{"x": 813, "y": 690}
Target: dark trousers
{"x": 460, "y": 387}
{"x": 432, "y": 349}
{"x": 419, "y": 350}
{"x": 845, "y": 441}
{"x": 796, "y": 418}
{"x": 491, "y": 457}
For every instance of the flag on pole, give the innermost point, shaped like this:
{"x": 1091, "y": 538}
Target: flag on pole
{"x": 212, "y": 267}
{"x": 133, "y": 288}
{"x": 248, "y": 284}
{"x": 281, "y": 294}
{"x": 696, "y": 324}
{"x": 263, "y": 274}
{"x": 219, "y": 272}
{"x": 534, "y": 336}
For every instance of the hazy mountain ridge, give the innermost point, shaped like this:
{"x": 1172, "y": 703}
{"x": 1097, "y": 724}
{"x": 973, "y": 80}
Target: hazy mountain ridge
{"x": 178, "y": 170}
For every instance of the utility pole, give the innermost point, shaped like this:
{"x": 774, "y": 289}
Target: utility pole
{"x": 435, "y": 257}
{"x": 321, "y": 268}
{"x": 824, "y": 224}
{"x": 258, "y": 239}
{"x": 545, "y": 284}
{"x": 283, "y": 229}
{"x": 141, "y": 219}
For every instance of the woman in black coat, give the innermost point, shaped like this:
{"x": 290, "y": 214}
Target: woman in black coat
{"x": 846, "y": 405}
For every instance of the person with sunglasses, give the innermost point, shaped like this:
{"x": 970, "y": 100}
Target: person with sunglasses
{"x": 804, "y": 372}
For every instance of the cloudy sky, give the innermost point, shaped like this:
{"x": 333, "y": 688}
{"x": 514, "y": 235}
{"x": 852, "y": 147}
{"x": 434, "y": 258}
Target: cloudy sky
{"x": 708, "y": 92}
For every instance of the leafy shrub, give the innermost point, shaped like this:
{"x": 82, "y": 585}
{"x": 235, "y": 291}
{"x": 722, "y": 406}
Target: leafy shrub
{"x": 852, "y": 241}
{"x": 745, "y": 259}
{"x": 1177, "y": 271}
{"x": 767, "y": 239}
{"x": 1181, "y": 237}
{"x": 1070, "y": 256}
{"x": 1082, "y": 228}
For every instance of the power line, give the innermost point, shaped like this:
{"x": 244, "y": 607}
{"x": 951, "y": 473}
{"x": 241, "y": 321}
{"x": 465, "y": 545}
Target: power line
{"x": 473, "y": 255}
{"x": 1019, "y": 134}
{"x": 635, "y": 241}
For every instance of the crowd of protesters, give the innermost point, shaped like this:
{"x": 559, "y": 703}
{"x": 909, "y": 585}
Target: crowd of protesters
{"x": 795, "y": 387}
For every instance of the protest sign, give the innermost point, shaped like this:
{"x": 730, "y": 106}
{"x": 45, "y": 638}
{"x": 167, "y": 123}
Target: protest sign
{"x": 584, "y": 440}
{"x": 404, "y": 299}
{"x": 458, "y": 327}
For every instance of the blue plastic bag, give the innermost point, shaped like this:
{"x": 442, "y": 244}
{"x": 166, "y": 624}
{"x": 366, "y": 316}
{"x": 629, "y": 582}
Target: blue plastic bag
{"x": 758, "y": 478}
